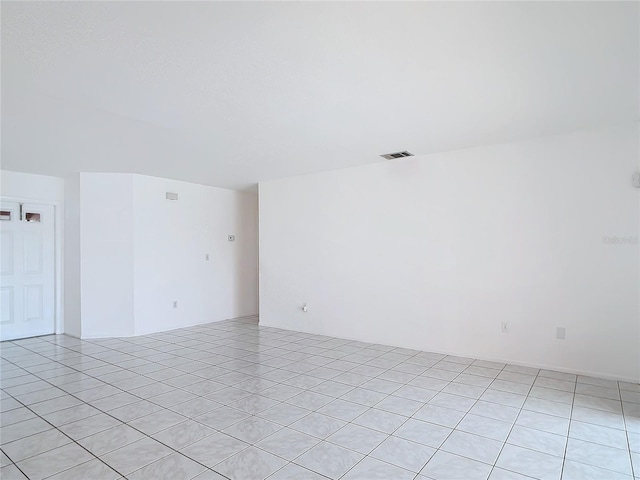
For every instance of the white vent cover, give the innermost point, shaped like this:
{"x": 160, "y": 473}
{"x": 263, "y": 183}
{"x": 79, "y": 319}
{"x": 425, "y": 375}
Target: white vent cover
{"x": 171, "y": 196}
{"x": 391, "y": 156}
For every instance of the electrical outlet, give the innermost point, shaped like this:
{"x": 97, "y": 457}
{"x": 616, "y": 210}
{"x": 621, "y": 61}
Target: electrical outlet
{"x": 505, "y": 327}
{"x": 175, "y": 304}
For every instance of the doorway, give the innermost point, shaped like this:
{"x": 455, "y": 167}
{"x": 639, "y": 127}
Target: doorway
{"x": 27, "y": 264}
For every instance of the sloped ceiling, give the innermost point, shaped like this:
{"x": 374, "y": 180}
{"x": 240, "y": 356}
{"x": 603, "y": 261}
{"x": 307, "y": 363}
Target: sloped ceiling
{"x": 232, "y": 93}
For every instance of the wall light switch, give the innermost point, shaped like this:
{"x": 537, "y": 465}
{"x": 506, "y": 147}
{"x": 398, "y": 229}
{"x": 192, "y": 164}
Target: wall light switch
{"x": 560, "y": 331}
{"x": 206, "y": 257}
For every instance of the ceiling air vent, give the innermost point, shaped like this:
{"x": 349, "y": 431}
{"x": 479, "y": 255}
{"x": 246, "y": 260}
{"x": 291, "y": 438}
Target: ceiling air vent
{"x": 391, "y": 156}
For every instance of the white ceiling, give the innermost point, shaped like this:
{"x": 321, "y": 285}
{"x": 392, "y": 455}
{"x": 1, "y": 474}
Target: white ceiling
{"x": 229, "y": 94}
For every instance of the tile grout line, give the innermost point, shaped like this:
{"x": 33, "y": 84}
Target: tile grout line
{"x": 95, "y": 456}
{"x": 441, "y": 390}
{"x": 324, "y": 380}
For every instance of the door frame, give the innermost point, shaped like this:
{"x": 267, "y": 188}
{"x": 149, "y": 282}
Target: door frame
{"x": 58, "y": 293}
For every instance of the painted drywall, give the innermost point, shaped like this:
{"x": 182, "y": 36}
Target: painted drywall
{"x": 106, "y": 254}
{"x": 32, "y": 187}
{"x": 140, "y": 252}
{"x": 71, "y": 256}
{"x": 50, "y": 190}
{"x": 171, "y": 241}
{"x": 435, "y": 252}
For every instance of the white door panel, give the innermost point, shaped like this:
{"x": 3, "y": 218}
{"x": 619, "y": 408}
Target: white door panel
{"x": 33, "y": 303}
{"x": 6, "y": 262}
{"x": 6, "y": 297}
{"x": 28, "y": 265}
{"x": 33, "y": 252}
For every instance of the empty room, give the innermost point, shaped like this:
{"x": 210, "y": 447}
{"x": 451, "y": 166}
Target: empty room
{"x": 320, "y": 240}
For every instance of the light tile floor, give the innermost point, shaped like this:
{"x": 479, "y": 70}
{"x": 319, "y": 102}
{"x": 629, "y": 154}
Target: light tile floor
{"x": 236, "y": 400}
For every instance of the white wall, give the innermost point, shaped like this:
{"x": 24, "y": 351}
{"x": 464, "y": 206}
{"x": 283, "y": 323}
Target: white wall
{"x": 106, "y": 254}
{"x": 71, "y": 256}
{"x": 171, "y": 240}
{"x": 129, "y": 252}
{"x": 49, "y": 190}
{"x": 435, "y": 252}
{"x": 32, "y": 187}
{"x": 139, "y": 252}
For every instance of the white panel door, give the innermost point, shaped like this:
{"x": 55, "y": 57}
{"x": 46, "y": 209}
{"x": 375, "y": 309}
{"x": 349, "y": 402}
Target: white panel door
{"x": 27, "y": 262}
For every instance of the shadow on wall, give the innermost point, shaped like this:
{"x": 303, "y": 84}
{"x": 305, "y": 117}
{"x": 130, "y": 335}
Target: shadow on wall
{"x": 245, "y": 254}
{"x": 172, "y": 241}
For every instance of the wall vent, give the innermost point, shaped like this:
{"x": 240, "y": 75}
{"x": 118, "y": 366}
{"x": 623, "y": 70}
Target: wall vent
{"x": 391, "y": 156}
